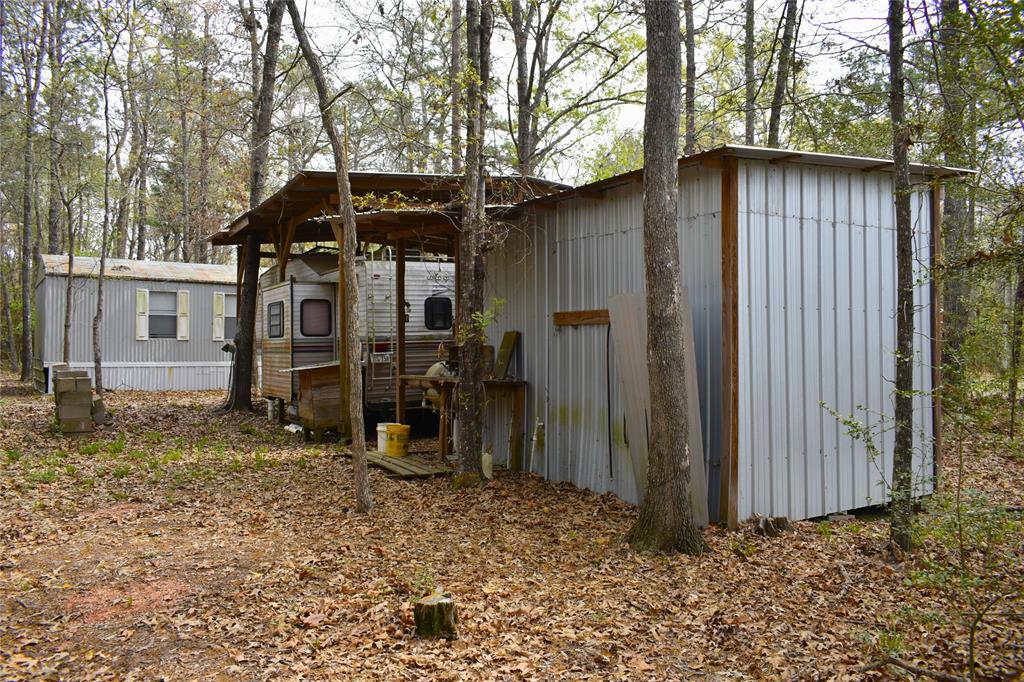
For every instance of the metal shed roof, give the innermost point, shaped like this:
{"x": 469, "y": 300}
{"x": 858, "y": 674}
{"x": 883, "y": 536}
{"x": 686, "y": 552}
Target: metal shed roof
{"x": 161, "y": 271}
{"x": 774, "y": 156}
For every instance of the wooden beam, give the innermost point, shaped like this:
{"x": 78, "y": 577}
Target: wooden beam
{"x": 877, "y": 166}
{"x": 420, "y": 232}
{"x": 400, "y": 328}
{"x": 574, "y": 318}
{"x": 936, "y": 330}
{"x": 783, "y": 159}
{"x": 728, "y": 459}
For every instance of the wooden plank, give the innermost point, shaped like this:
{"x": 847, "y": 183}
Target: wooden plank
{"x": 629, "y": 338}
{"x": 575, "y": 318}
{"x": 729, "y": 465}
{"x": 698, "y": 477}
{"x": 508, "y": 346}
{"x": 516, "y": 435}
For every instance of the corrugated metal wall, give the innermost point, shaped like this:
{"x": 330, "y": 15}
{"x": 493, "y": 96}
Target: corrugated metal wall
{"x": 817, "y": 297}
{"x": 156, "y": 364}
{"x": 576, "y": 258}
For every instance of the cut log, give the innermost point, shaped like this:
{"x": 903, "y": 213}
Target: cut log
{"x": 435, "y": 616}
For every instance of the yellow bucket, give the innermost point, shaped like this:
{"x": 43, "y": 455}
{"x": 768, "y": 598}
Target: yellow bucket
{"x": 398, "y": 440}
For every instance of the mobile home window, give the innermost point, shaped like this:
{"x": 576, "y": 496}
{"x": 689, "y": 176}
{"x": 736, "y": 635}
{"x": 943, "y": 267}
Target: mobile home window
{"x": 437, "y": 312}
{"x": 275, "y": 320}
{"x": 315, "y": 317}
{"x": 163, "y": 314}
{"x": 230, "y": 315}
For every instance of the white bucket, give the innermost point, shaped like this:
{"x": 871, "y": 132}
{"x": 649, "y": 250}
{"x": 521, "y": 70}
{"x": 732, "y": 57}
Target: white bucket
{"x": 382, "y": 435}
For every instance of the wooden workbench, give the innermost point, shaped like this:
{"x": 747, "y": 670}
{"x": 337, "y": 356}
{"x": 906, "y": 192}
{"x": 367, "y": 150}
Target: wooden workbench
{"x": 445, "y": 387}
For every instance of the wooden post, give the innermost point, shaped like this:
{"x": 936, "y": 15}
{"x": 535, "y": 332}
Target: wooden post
{"x": 400, "y": 328}
{"x": 728, "y": 464}
{"x": 516, "y": 437}
{"x": 344, "y": 415}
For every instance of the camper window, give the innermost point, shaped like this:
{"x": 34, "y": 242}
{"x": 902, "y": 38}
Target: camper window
{"x": 437, "y": 312}
{"x": 315, "y": 317}
{"x": 275, "y": 320}
{"x": 163, "y": 314}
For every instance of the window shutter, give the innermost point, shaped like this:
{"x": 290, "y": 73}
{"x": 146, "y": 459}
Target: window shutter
{"x": 141, "y": 314}
{"x": 218, "y": 316}
{"x": 182, "y": 316}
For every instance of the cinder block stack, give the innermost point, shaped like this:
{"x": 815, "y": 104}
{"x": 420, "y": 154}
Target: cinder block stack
{"x": 72, "y": 392}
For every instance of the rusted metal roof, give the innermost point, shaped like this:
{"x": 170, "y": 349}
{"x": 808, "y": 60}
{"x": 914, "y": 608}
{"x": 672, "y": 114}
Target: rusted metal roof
{"x": 162, "y": 271}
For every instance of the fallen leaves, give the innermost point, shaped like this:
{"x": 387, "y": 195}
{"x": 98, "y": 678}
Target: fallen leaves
{"x": 226, "y": 549}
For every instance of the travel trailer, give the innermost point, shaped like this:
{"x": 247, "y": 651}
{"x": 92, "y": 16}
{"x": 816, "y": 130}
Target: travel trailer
{"x": 297, "y": 326}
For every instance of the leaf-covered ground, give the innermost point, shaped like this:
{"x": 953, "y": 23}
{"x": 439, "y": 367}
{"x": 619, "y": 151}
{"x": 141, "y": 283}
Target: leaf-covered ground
{"x": 180, "y": 544}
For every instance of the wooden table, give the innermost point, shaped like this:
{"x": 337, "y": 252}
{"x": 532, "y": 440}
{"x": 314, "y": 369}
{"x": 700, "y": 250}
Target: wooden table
{"x": 445, "y": 387}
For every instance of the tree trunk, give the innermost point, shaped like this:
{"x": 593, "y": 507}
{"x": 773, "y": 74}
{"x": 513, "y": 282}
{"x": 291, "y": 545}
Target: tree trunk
{"x": 240, "y": 391}
{"x": 470, "y": 389}
{"x": 69, "y": 288}
{"x": 203, "y": 223}
{"x": 902, "y": 492}
{"x": 957, "y": 226}
{"x": 666, "y": 522}
{"x": 1017, "y": 321}
{"x": 348, "y": 241}
{"x": 26, "y": 239}
{"x": 524, "y": 111}
{"x": 141, "y": 200}
{"x": 690, "y": 143}
{"x": 456, "y": 86}
{"x": 785, "y": 57}
{"x": 5, "y": 302}
{"x": 750, "y": 89}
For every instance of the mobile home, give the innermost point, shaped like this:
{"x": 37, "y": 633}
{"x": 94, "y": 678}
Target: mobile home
{"x": 164, "y": 324}
{"x": 296, "y": 324}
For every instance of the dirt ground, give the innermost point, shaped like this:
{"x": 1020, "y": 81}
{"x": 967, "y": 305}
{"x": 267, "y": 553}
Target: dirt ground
{"x": 179, "y": 543}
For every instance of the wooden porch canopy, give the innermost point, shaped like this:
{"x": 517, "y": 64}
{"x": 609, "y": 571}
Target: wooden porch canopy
{"x": 418, "y": 209}
{"x": 422, "y": 207}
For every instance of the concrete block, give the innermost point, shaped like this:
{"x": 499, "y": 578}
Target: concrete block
{"x": 70, "y": 426}
{"x": 83, "y": 384}
{"x": 64, "y": 384}
{"x": 74, "y": 411}
{"x": 62, "y": 373}
{"x": 74, "y": 398}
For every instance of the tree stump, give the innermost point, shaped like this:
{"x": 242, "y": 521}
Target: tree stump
{"x": 435, "y": 616}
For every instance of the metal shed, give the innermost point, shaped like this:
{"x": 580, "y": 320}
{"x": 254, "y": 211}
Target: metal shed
{"x": 789, "y": 260}
{"x": 164, "y": 323}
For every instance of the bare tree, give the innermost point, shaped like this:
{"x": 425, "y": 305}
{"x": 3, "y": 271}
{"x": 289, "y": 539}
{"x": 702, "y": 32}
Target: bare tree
{"x": 31, "y": 25}
{"x": 666, "y": 521}
{"x": 546, "y": 54}
{"x": 111, "y": 36}
{"x": 55, "y": 56}
{"x": 345, "y": 234}
{"x": 785, "y": 58}
{"x": 750, "y": 85}
{"x": 902, "y": 492}
{"x": 470, "y": 390}
{"x": 689, "y": 39}
{"x": 456, "y": 85}
{"x": 240, "y": 391}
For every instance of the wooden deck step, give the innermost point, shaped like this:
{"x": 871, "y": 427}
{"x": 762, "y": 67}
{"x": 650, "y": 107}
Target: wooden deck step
{"x": 410, "y": 466}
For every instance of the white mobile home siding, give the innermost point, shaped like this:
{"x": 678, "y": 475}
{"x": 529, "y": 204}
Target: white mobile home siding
{"x": 128, "y": 364}
{"x": 816, "y": 261}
